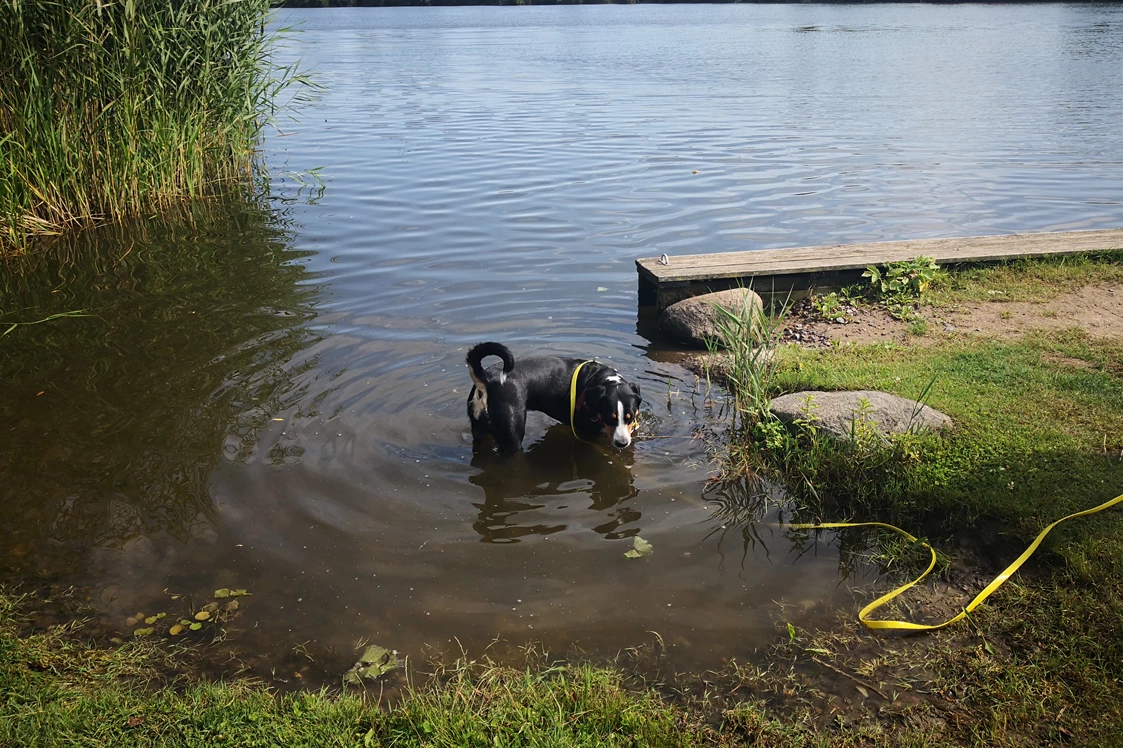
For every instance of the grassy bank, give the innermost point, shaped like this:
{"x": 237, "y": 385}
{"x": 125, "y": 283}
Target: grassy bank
{"x": 121, "y": 107}
{"x": 57, "y": 688}
{"x": 1038, "y": 435}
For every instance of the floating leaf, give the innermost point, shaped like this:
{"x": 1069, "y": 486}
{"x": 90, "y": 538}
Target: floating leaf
{"x": 150, "y": 620}
{"x": 184, "y": 622}
{"x": 144, "y": 631}
{"x": 202, "y": 615}
{"x": 221, "y": 593}
{"x": 374, "y": 662}
{"x": 239, "y": 593}
{"x": 176, "y": 630}
{"x": 640, "y": 548}
{"x": 195, "y": 626}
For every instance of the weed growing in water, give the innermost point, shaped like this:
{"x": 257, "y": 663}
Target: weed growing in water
{"x": 803, "y": 457}
{"x": 112, "y": 108}
{"x": 749, "y": 337}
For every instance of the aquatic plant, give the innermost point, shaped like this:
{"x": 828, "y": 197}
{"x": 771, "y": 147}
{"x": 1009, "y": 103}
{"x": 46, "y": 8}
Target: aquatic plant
{"x": 749, "y": 337}
{"x": 111, "y": 108}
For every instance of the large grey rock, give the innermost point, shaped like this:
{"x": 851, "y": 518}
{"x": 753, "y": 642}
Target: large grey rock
{"x": 835, "y": 412}
{"x": 691, "y": 321}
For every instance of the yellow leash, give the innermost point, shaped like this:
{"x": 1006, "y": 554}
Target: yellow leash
{"x": 573, "y": 405}
{"x": 573, "y": 397}
{"x": 987, "y": 591}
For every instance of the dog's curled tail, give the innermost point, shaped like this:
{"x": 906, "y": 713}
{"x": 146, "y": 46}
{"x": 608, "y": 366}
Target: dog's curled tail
{"x": 479, "y": 352}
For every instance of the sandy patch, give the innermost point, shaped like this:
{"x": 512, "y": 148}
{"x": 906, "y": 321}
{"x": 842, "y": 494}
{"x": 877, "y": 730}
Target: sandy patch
{"x": 1096, "y": 309}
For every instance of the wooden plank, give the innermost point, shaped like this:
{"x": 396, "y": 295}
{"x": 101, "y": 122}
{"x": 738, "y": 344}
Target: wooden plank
{"x": 685, "y": 269}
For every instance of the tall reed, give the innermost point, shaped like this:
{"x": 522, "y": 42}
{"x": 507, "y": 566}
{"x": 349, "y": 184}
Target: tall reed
{"x": 117, "y": 107}
{"x": 749, "y": 337}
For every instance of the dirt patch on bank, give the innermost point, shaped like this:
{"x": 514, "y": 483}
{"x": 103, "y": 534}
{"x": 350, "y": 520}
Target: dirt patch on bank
{"x": 1096, "y": 309}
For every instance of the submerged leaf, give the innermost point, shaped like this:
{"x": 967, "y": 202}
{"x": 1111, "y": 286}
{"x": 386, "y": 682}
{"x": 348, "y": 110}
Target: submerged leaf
{"x": 210, "y": 607}
{"x": 640, "y": 548}
{"x": 374, "y": 662}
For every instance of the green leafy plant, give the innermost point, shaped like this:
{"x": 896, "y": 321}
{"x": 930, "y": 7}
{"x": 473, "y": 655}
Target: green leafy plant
{"x": 832, "y": 307}
{"x": 907, "y": 278}
{"x": 898, "y": 285}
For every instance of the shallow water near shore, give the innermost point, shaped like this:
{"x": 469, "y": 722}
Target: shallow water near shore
{"x": 270, "y": 395}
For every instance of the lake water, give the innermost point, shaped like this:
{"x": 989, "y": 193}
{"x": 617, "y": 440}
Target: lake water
{"x": 271, "y": 396}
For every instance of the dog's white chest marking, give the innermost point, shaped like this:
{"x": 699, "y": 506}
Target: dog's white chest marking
{"x": 621, "y": 437}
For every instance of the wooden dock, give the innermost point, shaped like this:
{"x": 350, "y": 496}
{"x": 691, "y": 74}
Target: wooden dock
{"x": 800, "y": 269}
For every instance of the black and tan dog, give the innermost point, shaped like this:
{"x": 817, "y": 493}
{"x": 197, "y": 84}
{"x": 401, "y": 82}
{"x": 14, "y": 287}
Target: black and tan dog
{"x": 600, "y": 399}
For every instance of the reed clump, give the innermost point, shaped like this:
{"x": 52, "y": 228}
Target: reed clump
{"x": 111, "y": 108}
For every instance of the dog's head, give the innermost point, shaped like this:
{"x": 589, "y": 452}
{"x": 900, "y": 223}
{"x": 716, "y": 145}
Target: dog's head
{"x": 616, "y": 404}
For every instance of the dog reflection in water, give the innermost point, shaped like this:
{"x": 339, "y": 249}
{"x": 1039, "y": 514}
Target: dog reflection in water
{"x": 557, "y": 473}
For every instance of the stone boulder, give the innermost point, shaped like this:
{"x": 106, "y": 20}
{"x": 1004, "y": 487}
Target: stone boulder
{"x": 835, "y": 412}
{"x": 691, "y": 321}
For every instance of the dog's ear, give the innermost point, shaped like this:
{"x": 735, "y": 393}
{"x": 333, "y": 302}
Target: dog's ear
{"x": 594, "y": 394}
{"x": 635, "y": 388}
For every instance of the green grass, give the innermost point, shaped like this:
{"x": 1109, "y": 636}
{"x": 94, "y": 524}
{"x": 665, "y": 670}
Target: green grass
{"x": 1038, "y": 435}
{"x": 1047, "y": 671}
{"x": 56, "y": 688}
{"x": 1027, "y": 280}
{"x": 120, "y": 107}
{"x": 1039, "y": 431}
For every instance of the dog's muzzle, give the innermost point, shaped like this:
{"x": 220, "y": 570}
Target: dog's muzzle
{"x": 622, "y": 434}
